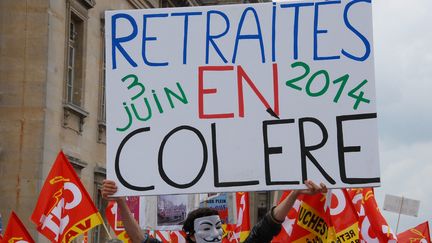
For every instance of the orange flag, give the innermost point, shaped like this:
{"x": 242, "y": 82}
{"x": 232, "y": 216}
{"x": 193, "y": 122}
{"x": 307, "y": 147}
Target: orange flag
{"x": 419, "y": 234}
{"x": 64, "y": 209}
{"x": 110, "y": 214}
{"x": 327, "y": 217}
{"x": 15, "y": 231}
{"x": 373, "y": 226}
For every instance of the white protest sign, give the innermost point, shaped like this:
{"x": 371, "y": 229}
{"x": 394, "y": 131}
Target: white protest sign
{"x": 241, "y": 97}
{"x": 401, "y": 205}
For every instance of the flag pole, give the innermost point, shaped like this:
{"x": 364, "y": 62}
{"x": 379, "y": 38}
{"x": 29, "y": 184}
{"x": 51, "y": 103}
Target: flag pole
{"x": 400, "y": 210}
{"x": 105, "y": 227}
{"x": 106, "y": 230}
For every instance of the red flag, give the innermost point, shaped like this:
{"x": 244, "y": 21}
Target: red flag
{"x": 242, "y": 228}
{"x": 293, "y": 228}
{"x": 420, "y": 234}
{"x": 228, "y": 230}
{"x": 177, "y": 237}
{"x": 343, "y": 217}
{"x": 110, "y": 214}
{"x": 163, "y": 236}
{"x": 85, "y": 239}
{"x": 320, "y": 218}
{"x": 240, "y": 231}
{"x": 169, "y": 236}
{"x": 15, "y": 231}
{"x": 287, "y": 225}
{"x": 372, "y": 224}
{"x": 64, "y": 209}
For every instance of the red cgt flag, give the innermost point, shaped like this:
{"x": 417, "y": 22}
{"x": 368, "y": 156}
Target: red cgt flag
{"x": 373, "y": 226}
{"x": 15, "y": 231}
{"x": 110, "y": 214}
{"x": 419, "y": 234}
{"x": 64, "y": 209}
{"x": 242, "y": 228}
{"x": 235, "y": 233}
{"x": 320, "y": 218}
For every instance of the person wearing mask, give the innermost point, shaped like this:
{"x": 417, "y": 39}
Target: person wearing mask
{"x": 203, "y": 225}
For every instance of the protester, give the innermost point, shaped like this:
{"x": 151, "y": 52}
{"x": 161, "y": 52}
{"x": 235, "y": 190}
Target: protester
{"x": 204, "y": 225}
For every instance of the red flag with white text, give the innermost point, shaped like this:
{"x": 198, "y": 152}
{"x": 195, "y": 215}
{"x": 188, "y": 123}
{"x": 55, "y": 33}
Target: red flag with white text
{"x": 238, "y": 232}
{"x": 292, "y": 230}
{"x": 16, "y": 232}
{"x": 320, "y": 218}
{"x": 64, "y": 209}
{"x": 110, "y": 215}
{"x": 242, "y": 228}
{"x": 420, "y": 234}
{"x": 343, "y": 217}
{"x": 228, "y": 236}
{"x": 373, "y": 226}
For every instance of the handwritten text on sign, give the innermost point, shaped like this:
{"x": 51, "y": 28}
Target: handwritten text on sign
{"x": 241, "y": 97}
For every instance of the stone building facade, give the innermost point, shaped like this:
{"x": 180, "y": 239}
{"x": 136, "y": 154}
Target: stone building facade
{"x": 52, "y": 96}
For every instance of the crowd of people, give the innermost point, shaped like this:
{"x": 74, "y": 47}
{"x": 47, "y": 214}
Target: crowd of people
{"x": 204, "y": 225}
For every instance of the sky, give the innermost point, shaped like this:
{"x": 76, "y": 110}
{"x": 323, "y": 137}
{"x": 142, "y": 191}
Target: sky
{"x": 403, "y": 71}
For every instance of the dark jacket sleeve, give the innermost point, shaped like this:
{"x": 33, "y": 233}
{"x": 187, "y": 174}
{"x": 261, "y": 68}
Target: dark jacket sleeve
{"x": 264, "y": 230}
{"x": 152, "y": 240}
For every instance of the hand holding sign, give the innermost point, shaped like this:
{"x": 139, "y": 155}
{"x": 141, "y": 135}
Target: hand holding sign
{"x": 312, "y": 188}
{"x": 272, "y": 95}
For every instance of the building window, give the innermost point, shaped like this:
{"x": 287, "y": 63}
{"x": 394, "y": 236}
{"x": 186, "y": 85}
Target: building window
{"x": 74, "y": 78}
{"x": 70, "y": 63}
{"x": 102, "y": 107}
{"x": 74, "y": 112}
{"x": 175, "y": 3}
{"x": 102, "y": 95}
{"x": 140, "y": 4}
